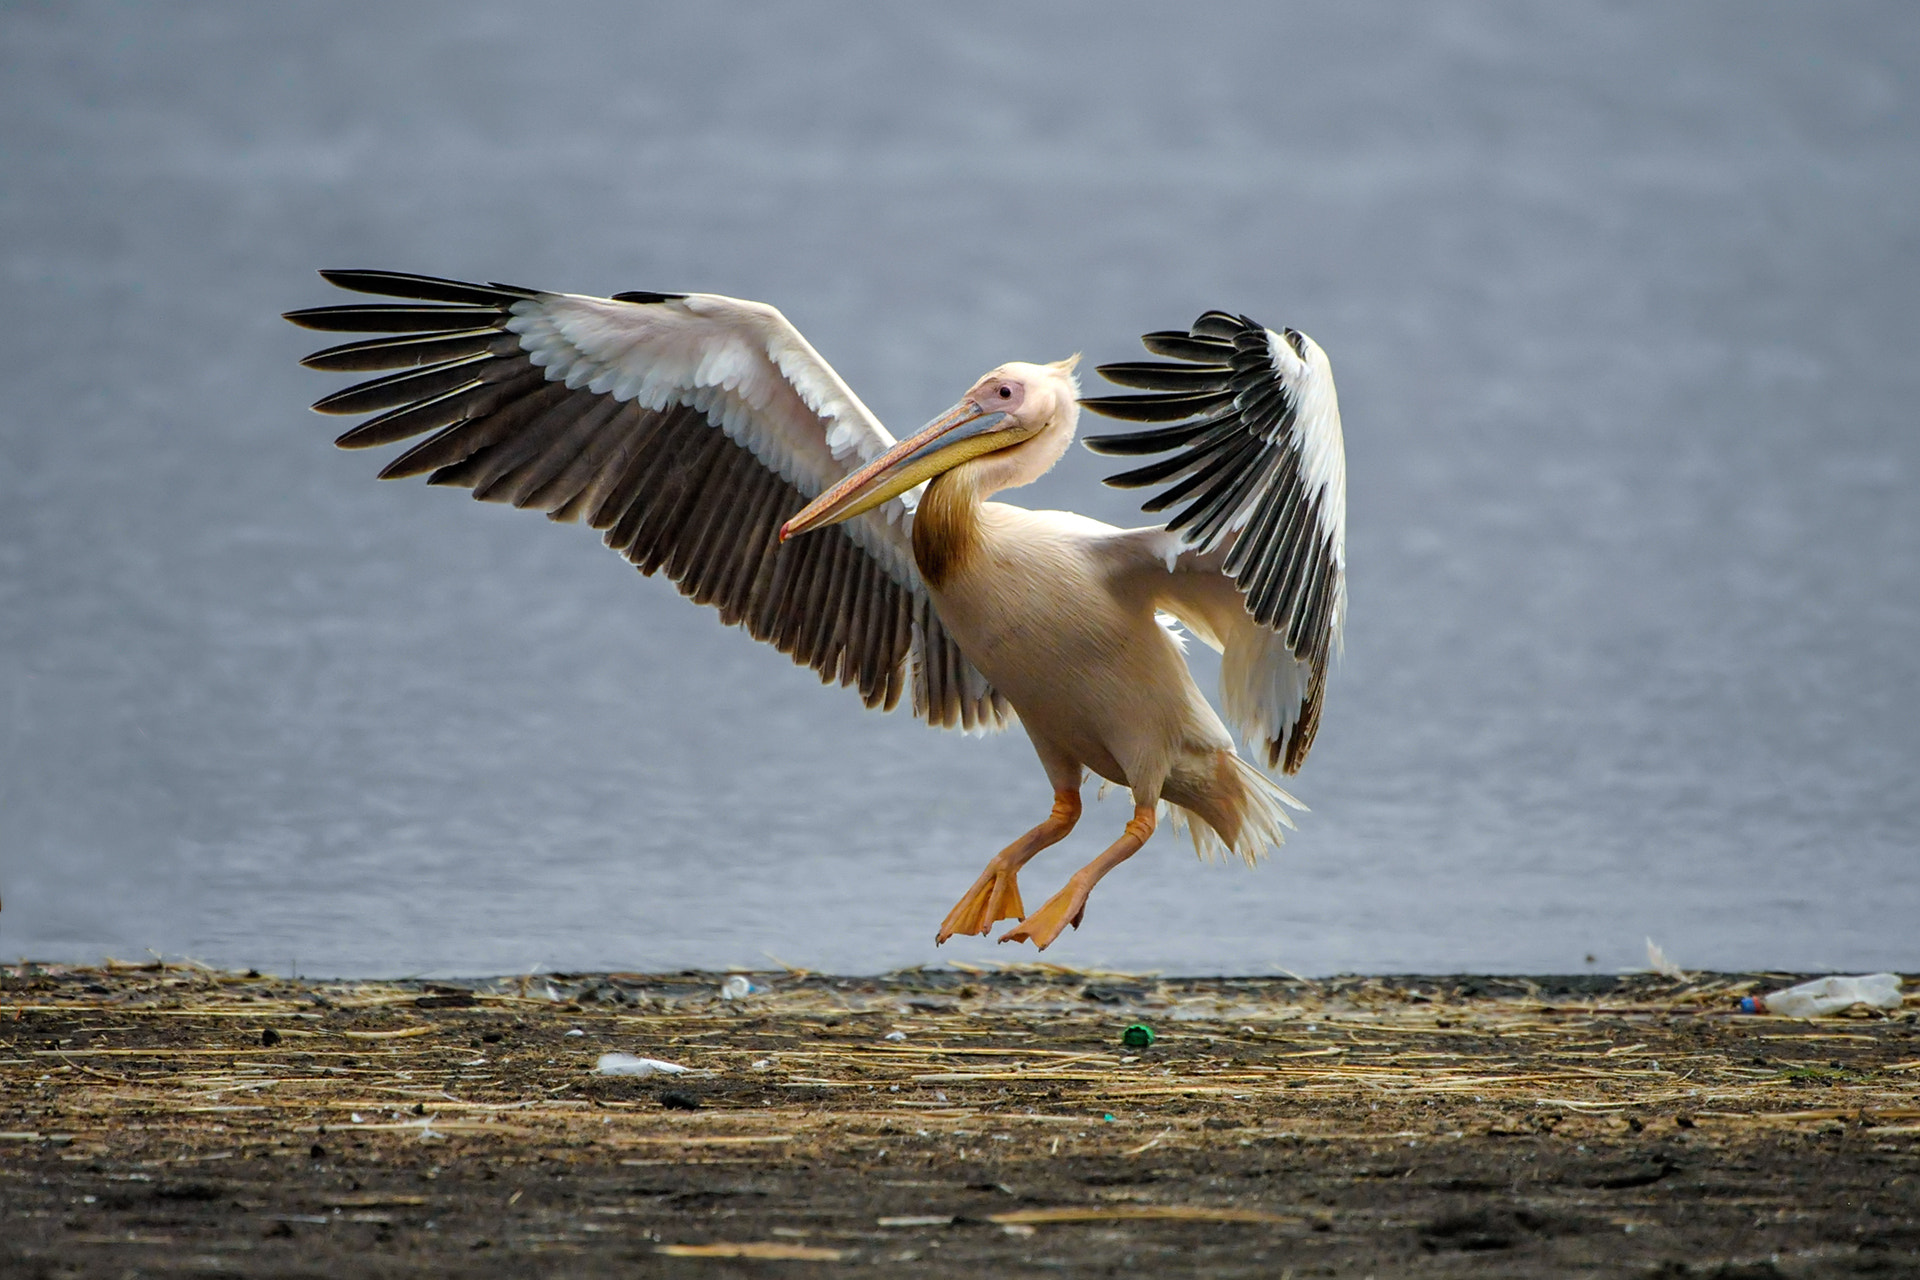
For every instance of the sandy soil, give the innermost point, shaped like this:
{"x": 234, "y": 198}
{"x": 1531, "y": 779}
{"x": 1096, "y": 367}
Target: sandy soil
{"x": 186, "y": 1122}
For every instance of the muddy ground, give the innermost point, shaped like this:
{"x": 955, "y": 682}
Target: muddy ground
{"x": 176, "y": 1121}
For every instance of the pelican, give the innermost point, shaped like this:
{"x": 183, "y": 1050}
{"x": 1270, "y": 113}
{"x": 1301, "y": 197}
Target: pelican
{"x": 708, "y": 440}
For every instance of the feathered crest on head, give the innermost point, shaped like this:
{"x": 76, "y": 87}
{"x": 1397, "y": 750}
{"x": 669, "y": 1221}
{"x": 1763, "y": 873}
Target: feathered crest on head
{"x": 1065, "y": 369}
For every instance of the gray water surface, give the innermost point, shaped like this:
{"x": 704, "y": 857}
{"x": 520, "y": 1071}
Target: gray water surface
{"x": 1622, "y": 304}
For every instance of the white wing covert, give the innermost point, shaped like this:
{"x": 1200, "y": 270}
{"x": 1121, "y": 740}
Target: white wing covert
{"x": 1256, "y": 555}
{"x": 686, "y": 427}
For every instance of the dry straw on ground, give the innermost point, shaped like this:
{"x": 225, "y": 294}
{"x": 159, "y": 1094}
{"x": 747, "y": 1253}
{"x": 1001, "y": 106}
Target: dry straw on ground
{"x": 355, "y": 1104}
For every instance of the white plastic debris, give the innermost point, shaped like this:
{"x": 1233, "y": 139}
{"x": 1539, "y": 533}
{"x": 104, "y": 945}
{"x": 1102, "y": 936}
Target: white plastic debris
{"x": 1657, "y": 962}
{"x": 626, "y": 1064}
{"x": 736, "y": 988}
{"x": 1824, "y": 996}
{"x": 895, "y": 1035}
{"x": 576, "y": 1032}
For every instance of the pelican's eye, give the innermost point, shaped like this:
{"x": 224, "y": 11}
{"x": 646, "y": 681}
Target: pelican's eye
{"x": 1006, "y": 392}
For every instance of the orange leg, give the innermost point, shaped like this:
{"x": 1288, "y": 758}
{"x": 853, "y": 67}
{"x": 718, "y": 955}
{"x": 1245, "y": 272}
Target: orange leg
{"x": 996, "y": 894}
{"x": 1067, "y": 906}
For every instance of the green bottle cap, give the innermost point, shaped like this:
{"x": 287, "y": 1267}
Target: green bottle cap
{"x": 1137, "y": 1036}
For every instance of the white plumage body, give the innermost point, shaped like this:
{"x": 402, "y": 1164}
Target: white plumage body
{"x": 1058, "y": 612}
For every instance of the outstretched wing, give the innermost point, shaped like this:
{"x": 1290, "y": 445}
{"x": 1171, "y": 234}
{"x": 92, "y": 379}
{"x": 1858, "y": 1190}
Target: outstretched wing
{"x": 1256, "y": 559}
{"x": 687, "y": 427}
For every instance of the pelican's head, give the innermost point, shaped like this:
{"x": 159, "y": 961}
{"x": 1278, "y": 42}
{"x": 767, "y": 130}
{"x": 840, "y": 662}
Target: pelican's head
{"x": 1013, "y": 425}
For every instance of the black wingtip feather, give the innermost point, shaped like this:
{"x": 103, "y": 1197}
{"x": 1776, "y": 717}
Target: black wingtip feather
{"x": 1156, "y": 408}
{"x": 407, "y": 421}
{"x": 1184, "y": 346}
{"x": 404, "y": 389}
{"x": 402, "y": 284}
{"x": 388, "y": 317}
{"x": 1153, "y": 375}
{"x": 410, "y": 351}
{"x": 647, "y": 297}
{"x": 1218, "y": 324}
{"x": 1152, "y": 473}
{"x": 1133, "y": 444}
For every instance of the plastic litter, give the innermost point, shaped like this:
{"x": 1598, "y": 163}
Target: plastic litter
{"x": 1137, "y": 1036}
{"x": 626, "y": 1064}
{"x": 738, "y": 987}
{"x": 1824, "y": 996}
{"x": 1657, "y": 962}
{"x": 895, "y": 1035}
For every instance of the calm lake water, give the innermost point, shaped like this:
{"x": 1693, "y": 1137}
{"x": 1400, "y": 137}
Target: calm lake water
{"x": 1622, "y": 304}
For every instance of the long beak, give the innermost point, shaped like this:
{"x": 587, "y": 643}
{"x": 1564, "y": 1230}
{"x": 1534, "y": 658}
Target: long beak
{"x": 962, "y": 432}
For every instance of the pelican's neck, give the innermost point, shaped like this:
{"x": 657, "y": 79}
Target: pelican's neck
{"x": 946, "y": 524}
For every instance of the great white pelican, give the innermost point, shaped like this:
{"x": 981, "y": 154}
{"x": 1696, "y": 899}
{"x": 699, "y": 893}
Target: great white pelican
{"x": 707, "y": 439}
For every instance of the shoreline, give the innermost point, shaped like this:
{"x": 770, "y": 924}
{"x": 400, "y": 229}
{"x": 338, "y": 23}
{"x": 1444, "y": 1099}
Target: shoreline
{"x": 174, "y": 1117}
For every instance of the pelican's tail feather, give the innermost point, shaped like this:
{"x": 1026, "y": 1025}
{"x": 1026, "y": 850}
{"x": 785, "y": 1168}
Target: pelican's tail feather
{"x": 1255, "y": 810}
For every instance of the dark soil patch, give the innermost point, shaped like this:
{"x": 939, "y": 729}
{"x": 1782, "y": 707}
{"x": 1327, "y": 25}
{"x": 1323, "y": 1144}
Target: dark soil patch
{"x": 163, "y": 1120}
